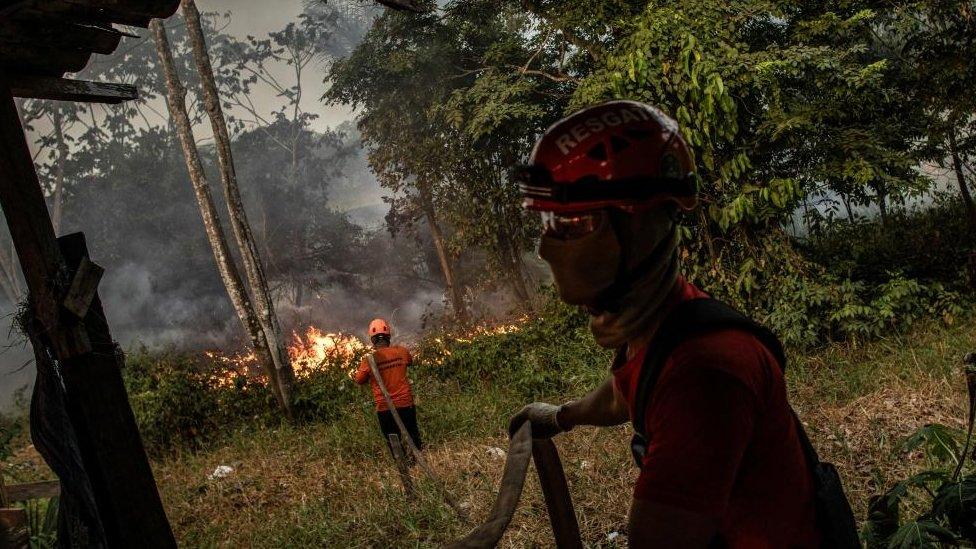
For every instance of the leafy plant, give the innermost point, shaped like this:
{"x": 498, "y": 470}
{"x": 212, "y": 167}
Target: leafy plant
{"x": 42, "y": 523}
{"x": 948, "y": 488}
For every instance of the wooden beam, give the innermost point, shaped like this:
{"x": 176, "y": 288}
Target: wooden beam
{"x": 83, "y": 288}
{"x": 13, "y": 528}
{"x": 115, "y": 462}
{"x": 63, "y": 89}
{"x": 60, "y": 34}
{"x": 26, "y": 214}
{"x": 34, "y": 490}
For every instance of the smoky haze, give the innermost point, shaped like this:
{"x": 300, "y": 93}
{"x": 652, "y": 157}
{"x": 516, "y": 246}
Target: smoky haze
{"x": 321, "y": 228}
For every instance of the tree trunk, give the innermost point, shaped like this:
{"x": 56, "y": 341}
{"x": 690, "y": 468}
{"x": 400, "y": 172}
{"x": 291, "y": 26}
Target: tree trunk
{"x": 176, "y": 102}
{"x": 457, "y": 299}
{"x": 880, "y": 195}
{"x": 510, "y": 259}
{"x": 253, "y": 266}
{"x": 847, "y": 206}
{"x": 62, "y": 146}
{"x": 967, "y": 198}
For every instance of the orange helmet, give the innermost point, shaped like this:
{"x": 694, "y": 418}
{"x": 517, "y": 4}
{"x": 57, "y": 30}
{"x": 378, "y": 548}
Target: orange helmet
{"x": 379, "y": 327}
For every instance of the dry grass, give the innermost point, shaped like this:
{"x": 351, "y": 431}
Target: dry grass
{"x": 334, "y": 485}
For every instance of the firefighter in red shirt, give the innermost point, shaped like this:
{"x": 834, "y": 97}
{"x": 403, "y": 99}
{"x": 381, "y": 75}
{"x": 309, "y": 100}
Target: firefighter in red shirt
{"x": 724, "y": 463}
{"x": 392, "y": 361}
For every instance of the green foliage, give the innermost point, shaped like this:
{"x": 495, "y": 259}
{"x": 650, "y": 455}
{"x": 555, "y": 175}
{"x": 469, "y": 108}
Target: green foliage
{"x": 12, "y": 428}
{"x": 929, "y": 245}
{"x": 948, "y": 487}
{"x": 42, "y": 523}
{"x": 543, "y": 355}
{"x": 187, "y": 400}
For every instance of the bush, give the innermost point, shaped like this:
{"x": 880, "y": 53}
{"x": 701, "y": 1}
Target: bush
{"x": 186, "y": 399}
{"x": 175, "y": 399}
{"x": 807, "y": 312}
{"x": 927, "y": 245}
{"x": 545, "y": 354}
{"x": 945, "y": 491}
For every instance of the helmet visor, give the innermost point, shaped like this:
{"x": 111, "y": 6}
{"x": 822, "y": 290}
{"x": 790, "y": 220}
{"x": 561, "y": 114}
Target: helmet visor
{"x": 570, "y": 226}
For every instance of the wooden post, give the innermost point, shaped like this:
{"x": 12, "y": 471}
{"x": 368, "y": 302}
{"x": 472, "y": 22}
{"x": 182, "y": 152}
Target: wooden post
{"x": 13, "y": 529}
{"x": 111, "y": 449}
{"x": 401, "y": 463}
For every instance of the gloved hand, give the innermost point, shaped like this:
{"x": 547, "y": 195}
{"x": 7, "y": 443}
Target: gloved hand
{"x": 542, "y": 417}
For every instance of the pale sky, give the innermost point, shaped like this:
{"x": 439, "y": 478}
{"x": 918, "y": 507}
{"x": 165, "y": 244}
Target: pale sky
{"x": 257, "y": 18}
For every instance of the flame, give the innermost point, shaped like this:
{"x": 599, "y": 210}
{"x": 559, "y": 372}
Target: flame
{"x": 312, "y": 350}
{"x": 308, "y": 352}
{"x": 443, "y": 348}
{"x": 234, "y": 367}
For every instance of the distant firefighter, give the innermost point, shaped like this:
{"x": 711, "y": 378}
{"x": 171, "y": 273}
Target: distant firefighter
{"x": 392, "y": 362}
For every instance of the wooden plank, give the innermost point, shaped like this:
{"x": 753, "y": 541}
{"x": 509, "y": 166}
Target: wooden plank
{"x": 125, "y": 494}
{"x": 13, "y": 526}
{"x": 60, "y": 34}
{"x": 83, "y": 287}
{"x": 111, "y": 448}
{"x": 26, "y": 214}
{"x": 63, "y": 89}
{"x": 34, "y": 490}
{"x": 42, "y": 60}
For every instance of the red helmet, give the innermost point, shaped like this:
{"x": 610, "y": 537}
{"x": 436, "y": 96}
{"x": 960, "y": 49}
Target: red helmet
{"x": 618, "y": 153}
{"x": 379, "y": 327}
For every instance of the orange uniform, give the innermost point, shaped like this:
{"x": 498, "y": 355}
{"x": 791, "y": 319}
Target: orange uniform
{"x": 392, "y": 363}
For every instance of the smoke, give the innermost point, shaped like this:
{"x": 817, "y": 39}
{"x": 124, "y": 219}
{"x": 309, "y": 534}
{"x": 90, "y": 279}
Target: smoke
{"x": 318, "y": 222}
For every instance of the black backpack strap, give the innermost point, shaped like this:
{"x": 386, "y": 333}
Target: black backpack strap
{"x": 688, "y": 319}
{"x": 700, "y": 316}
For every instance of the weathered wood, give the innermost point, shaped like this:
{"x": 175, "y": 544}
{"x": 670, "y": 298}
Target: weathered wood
{"x": 63, "y": 89}
{"x": 13, "y": 528}
{"x": 111, "y": 447}
{"x": 135, "y": 13}
{"x": 26, "y": 214}
{"x": 35, "y": 59}
{"x": 60, "y": 34}
{"x": 562, "y": 517}
{"x": 401, "y": 462}
{"x": 34, "y": 490}
{"x": 83, "y": 287}
{"x": 402, "y": 5}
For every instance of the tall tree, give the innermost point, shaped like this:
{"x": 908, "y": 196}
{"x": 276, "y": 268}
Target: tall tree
{"x": 253, "y": 265}
{"x": 417, "y": 79}
{"x": 176, "y": 102}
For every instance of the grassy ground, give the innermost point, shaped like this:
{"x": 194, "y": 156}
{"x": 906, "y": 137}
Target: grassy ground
{"x": 334, "y": 484}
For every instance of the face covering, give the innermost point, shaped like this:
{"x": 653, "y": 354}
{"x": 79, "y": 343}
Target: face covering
{"x": 583, "y": 268}
{"x": 623, "y": 272}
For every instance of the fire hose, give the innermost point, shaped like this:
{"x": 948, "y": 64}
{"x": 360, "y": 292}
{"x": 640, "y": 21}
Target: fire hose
{"x": 559, "y": 504}
{"x": 522, "y": 446}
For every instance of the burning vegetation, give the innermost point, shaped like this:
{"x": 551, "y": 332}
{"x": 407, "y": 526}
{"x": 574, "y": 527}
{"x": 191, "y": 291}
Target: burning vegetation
{"x": 309, "y": 351}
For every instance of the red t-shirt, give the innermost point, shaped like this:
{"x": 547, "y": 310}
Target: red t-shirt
{"x": 723, "y": 442}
